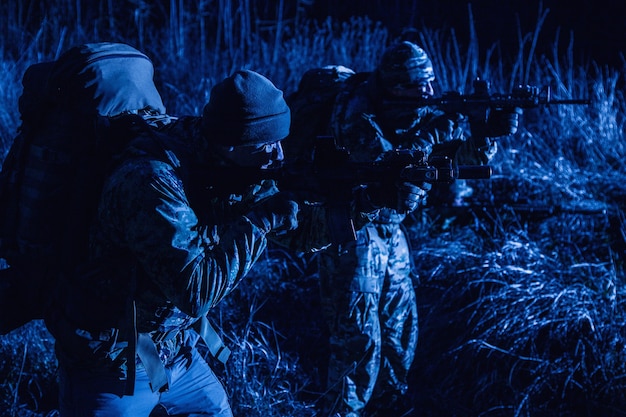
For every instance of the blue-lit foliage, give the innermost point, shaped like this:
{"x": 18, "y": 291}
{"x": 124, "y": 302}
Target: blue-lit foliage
{"x": 520, "y": 296}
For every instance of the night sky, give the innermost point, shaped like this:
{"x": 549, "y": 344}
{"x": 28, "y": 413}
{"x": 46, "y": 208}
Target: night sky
{"x": 598, "y": 26}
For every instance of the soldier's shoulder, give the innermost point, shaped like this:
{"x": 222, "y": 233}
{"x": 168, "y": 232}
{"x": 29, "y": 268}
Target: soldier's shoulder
{"x": 182, "y": 126}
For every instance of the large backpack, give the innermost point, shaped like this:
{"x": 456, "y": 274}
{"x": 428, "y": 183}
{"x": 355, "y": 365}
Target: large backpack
{"x": 51, "y": 178}
{"x": 311, "y": 108}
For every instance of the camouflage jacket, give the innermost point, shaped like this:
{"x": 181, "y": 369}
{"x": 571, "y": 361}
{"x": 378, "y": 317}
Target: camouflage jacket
{"x": 164, "y": 251}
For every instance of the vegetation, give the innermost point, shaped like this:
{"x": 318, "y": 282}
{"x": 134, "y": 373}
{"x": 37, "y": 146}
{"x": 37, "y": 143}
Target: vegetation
{"x": 521, "y": 310}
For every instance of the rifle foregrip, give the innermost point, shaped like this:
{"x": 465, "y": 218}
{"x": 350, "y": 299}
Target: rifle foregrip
{"x": 473, "y": 172}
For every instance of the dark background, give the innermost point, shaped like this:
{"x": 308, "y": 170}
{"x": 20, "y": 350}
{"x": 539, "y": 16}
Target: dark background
{"x": 598, "y": 26}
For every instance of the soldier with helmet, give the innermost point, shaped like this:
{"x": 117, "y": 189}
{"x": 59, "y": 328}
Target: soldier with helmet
{"x": 367, "y": 285}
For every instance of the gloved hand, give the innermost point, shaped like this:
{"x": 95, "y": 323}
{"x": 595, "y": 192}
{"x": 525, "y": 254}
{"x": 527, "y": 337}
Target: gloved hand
{"x": 503, "y": 122}
{"x": 276, "y": 213}
{"x": 410, "y": 196}
{"x": 404, "y": 197}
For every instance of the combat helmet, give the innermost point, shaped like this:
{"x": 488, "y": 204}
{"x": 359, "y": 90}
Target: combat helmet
{"x": 405, "y": 65}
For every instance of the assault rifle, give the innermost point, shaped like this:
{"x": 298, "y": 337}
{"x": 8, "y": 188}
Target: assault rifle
{"x": 478, "y": 104}
{"x": 501, "y": 211}
{"x": 522, "y": 96}
{"x": 330, "y": 178}
{"x": 533, "y": 211}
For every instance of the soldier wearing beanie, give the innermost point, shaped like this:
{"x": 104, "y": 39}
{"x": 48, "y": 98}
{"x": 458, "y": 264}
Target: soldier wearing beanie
{"x": 165, "y": 249}
{"x": 246, "y": 109}
{"x": 367, "y": 286}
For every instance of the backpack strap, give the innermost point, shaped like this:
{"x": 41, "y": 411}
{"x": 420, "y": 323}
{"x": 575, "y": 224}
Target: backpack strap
{"x": 212, "y": 340}
{"x": 141, "y": 345}
{"x": 147, "y": 352}
{"x": 341, "y": 102}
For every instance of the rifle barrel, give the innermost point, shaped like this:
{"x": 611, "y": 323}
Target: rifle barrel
{"x": 474, "y": 172}
{"x": 570, "y": 101}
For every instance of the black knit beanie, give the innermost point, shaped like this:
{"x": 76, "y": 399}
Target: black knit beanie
{"x": 244, "y": 109}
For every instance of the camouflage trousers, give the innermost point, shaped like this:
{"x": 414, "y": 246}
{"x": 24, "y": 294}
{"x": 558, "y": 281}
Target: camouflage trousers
{"x": 369, "y": 301}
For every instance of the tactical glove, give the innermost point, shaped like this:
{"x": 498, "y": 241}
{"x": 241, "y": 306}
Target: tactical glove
{"x": 277, "y": 213}
{"x": 503, "y": 122}
{"x": 410, "y": 196}
{"x": 404, "y": 197}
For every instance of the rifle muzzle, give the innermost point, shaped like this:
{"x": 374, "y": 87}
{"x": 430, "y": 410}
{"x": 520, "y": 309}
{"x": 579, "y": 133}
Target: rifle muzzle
{"x": 473, "y": 172}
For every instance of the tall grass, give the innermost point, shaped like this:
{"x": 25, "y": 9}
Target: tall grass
{"x": 521, "y": 313}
